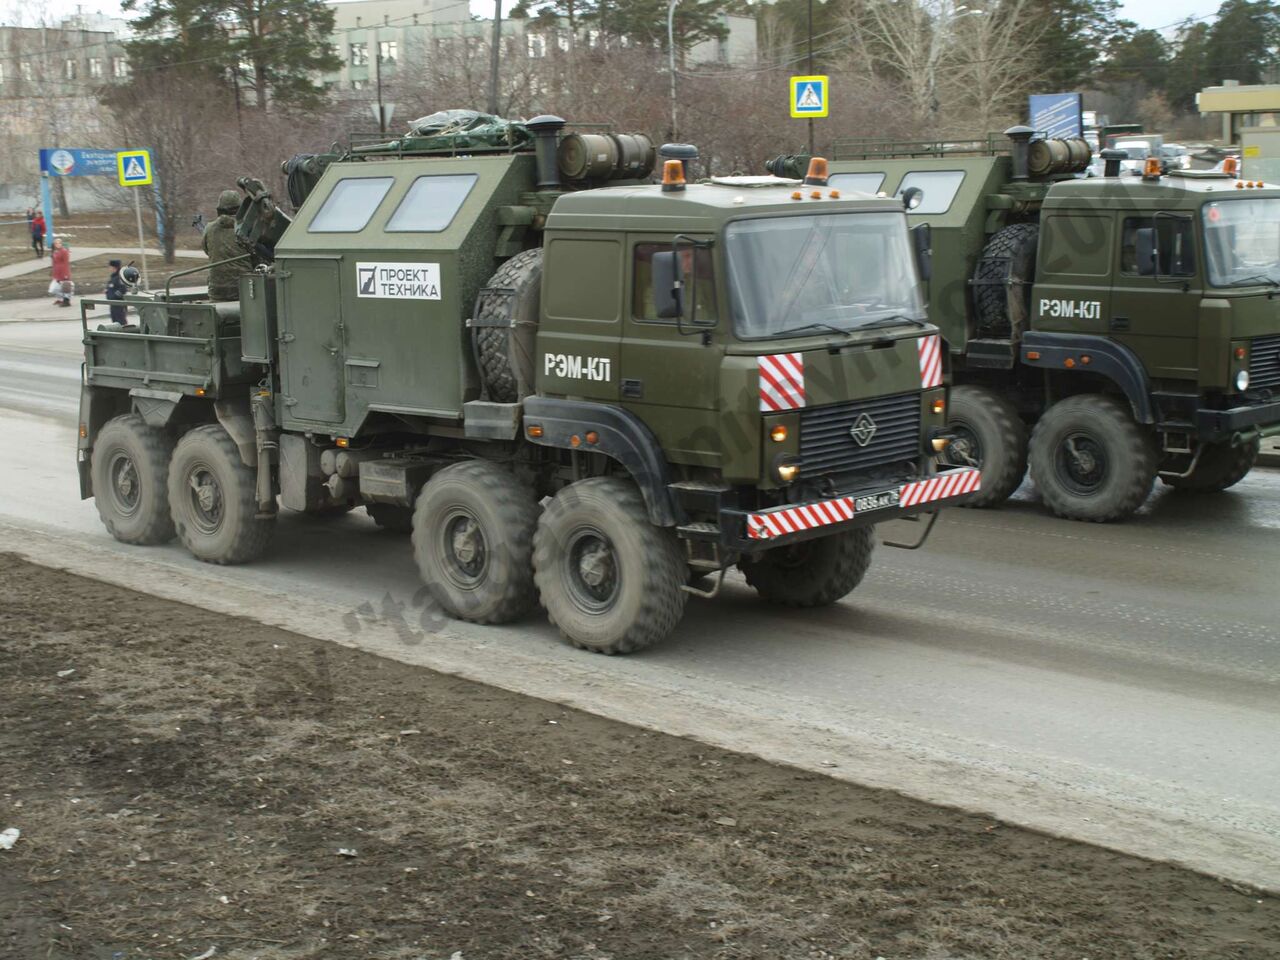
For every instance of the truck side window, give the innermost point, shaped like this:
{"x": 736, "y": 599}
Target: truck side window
{"x": 350, "y": 205}
{"x": 857, "y": 182}
{"x": 939, "y": 187}
{"x": 431, "y": 203}
{"x": 642, "y": 278}
{"x": 1173, "y": 240}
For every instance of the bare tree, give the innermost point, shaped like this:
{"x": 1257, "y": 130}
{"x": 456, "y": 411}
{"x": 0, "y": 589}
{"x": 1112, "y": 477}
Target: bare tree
{"x": 992, "y": 62}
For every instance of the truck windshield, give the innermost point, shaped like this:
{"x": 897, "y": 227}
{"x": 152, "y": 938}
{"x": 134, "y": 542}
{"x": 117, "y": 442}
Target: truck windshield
{"x": 842, "y": 271}
{"x": 1242, "y": 241}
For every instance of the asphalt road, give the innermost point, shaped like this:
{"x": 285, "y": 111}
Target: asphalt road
{"x": 1119, "y": 684}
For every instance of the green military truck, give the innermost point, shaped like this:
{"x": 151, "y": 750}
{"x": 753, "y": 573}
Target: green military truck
{"x": 570, "y": 384}
{"x": 1108, "y": 330}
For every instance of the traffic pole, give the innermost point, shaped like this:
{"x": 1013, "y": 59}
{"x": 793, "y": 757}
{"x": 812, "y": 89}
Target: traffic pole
{"x": 142, "y": 246}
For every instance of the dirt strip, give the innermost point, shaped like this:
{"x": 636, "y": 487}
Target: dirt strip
{"x": 200, "y": 782}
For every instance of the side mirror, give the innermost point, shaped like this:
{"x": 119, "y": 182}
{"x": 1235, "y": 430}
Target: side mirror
{"x": 912, "y": 197}
{"x": 1144, "y": 251}
{"x": 668, "y": 286}
{"x": 922, "y": 238}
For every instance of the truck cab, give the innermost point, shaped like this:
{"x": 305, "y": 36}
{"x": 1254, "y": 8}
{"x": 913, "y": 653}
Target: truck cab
{"x": 1105, "y": 331}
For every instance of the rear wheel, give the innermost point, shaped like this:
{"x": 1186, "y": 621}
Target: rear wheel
{"x": 812, "y": 573}
{"x": 610, "y": 580}
{"x": 212, "y": 495}
{"x": 990, "y": 435}
{"x": 130, "y": 470}
{"x": 1220, "y": 466}
{"x": 473, "y": 541}
{"x": 1091, "y": 461}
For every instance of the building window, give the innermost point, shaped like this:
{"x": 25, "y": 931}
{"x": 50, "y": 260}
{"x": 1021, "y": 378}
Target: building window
{"x": 95, "y": 67}
{"x": 359, "y": 54}
{"x": 69, "y": 69}
{"x": 25, "y": 69}
{"x": 119, "y": 67}
{"x": 387, "y": 50}
{"x": 357, "y": 84}
{"x": 1, "y": 71}
{"x": 537, "y": 45}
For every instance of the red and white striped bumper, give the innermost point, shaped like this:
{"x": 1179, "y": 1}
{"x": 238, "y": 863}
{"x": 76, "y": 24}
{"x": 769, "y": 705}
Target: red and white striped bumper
{"x": 783, "y": 521}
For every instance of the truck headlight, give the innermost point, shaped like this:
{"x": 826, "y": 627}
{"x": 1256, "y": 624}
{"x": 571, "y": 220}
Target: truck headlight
{"x": 786, "y": 468}
{"x": 1242, "y": 381}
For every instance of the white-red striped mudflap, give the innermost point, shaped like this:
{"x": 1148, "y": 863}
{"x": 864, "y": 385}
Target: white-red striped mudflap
{"x": 953, "y": 483}
{"x": 779, "y": 523}
{"x": 781, "y": 381}
{"x": 930, "y": 350}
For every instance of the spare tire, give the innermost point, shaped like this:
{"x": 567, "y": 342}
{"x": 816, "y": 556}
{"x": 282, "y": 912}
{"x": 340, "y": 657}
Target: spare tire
{"x": 505, "y": 352}
{"x": 1002, "y": 281}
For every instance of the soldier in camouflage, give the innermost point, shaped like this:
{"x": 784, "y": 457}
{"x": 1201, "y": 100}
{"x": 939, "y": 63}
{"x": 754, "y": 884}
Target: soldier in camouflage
{"x": 220, "y": 244}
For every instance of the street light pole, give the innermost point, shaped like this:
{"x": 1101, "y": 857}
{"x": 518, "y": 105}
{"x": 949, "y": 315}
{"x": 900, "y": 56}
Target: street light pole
{"x": 493, "y": 57}
{"x": 810, "y": 70}
{"x": 671, "y": 66}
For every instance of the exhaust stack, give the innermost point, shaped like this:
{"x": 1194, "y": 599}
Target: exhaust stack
{"x": 546, "y": 131}
{"x": 1021, "y": 138}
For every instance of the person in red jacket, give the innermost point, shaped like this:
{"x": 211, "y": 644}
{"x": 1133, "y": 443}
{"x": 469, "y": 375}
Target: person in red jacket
{"x": 62, "y": 272}
{"x": 37, "y": 234}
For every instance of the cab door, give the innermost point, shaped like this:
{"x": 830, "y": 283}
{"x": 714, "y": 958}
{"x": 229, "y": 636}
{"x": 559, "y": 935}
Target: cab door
{"x": 311, "y": 338}
{"x": 578, "y": 346}
{"x": 669, "y": 370}
{"x": 1072, "y": 292}
{"x": 1155, "y": 305}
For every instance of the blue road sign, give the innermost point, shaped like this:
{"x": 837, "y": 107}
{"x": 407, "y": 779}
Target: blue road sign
{"x": 1057, "y": 114}
{"x": 72, "y": 162}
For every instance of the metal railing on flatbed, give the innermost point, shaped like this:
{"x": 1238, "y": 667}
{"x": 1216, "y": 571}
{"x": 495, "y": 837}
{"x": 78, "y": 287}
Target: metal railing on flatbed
{"x": 884, "y": 148}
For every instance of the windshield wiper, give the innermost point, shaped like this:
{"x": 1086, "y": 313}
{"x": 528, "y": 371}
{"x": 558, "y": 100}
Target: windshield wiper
{"x": 1258, "y": 278}
{"x": 892, "y": 321}
{"x": 811, "y": 326}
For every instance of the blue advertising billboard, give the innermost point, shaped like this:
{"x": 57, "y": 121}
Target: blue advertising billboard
{"x": 70, "y": 162}
{"x": 1057, "y": 114}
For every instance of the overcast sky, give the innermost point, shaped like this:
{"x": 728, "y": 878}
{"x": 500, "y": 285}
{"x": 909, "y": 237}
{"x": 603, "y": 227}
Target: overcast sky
{"x": 1146, "y": 13}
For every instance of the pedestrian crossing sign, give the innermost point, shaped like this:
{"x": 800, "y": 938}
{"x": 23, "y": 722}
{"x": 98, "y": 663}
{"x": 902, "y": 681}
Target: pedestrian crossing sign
{"x": 809, "y": 96}
{"x": 134, "y": 167}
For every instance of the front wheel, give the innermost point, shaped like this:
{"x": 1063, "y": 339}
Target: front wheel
{"x": 212, "y": 495}
{"x": 130, "y": 469}
{"x": 610, "y": 580}
{"x": 1091, "y": 461}
{"x": 1220, "y": 466}
{"x": 812, "y": 573}
{"x": 990, "y": 435}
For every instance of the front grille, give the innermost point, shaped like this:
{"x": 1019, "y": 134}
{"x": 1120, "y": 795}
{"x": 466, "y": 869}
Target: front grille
{"x": 827, "y": 447}
{"x": 1264, "y": 362}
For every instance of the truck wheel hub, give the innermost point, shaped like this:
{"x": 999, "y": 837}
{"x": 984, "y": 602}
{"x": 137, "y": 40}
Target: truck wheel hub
{"x": 1082, "y": 463}
{"x": 206, "y": 497}
{"x": 124, "y": 477}
{"x": 466, "y": 543}
{"x": 593, "y": 570}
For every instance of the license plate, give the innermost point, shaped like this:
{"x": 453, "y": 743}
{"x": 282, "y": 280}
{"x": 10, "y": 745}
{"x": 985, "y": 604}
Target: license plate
{"x": 875, "y": 501}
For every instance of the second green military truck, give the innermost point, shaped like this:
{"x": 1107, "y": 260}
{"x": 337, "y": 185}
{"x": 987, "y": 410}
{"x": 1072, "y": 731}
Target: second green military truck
{"x": 1107, "y": 331}
{"x": 572, "y": 385}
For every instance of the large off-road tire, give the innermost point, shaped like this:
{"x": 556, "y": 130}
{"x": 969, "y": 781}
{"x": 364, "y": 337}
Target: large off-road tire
{"x": 989, "y": 435}
{"x": 473, "y": 542}
{"x": 609, "y": 579}
{"x": 1221, "y": 466}
{"x": 1002, "y": 281}
{"x": 213, "y": 500}
{"x": 391, "y": 517}
{"x": 130, "y": 472}
{"x": 1091, "y": 461}
{"x": 812, "y": 573}
{"x": 506, "y": 353}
